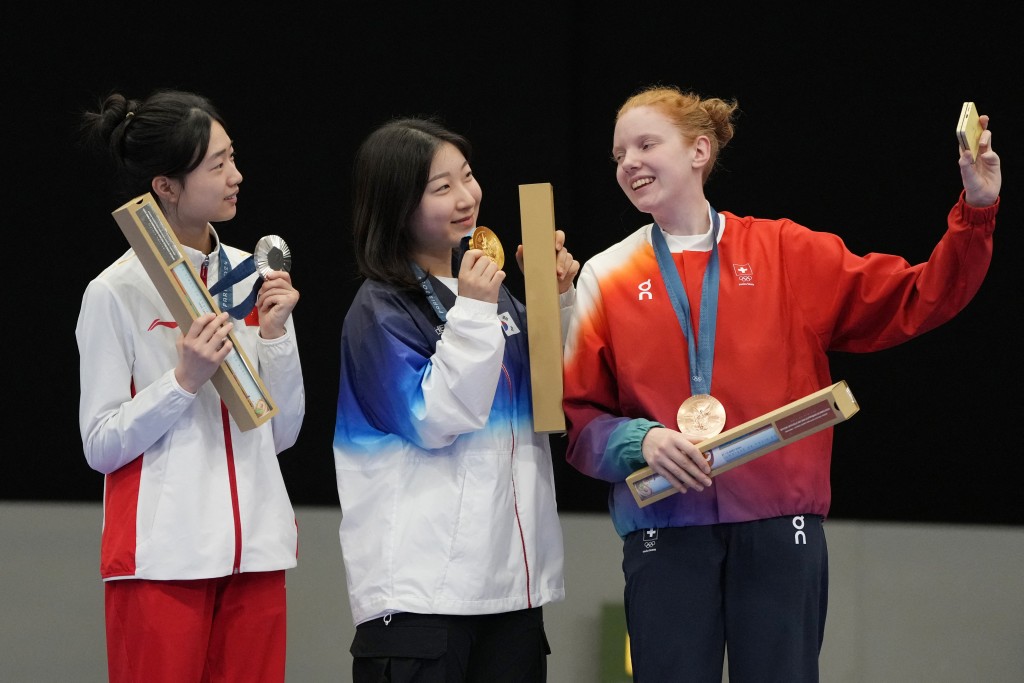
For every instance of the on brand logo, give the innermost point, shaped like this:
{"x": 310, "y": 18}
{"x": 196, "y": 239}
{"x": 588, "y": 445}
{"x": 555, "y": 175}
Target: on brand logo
{"x": 799, "y": 538}
{"x": 645, "y": 290}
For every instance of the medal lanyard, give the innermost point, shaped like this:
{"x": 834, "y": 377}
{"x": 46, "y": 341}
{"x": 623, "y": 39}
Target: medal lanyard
{"x": 428, "y": 289}
{"x": 271, "y": 253}
{"x": 230, "y": 276}
{"x": 702, "y": 355}
{"x": 221, "y": 287}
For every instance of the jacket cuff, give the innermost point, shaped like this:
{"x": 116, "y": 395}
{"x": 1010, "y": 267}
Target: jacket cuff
{"x": 626, "y": 442}
{"x": 973, "y": 215}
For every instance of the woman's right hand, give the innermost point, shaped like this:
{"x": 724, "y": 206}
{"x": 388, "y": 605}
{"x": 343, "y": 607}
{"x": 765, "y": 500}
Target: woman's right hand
{"x": 202, "y": 350}
{"x": 480, "y": 277}
{"x": 674, "y": 457}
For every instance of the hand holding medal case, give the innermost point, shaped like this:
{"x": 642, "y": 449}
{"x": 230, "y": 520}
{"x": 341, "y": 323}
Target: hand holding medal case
{"x": 181, "y": 288}
{"x": 756, "y": 437}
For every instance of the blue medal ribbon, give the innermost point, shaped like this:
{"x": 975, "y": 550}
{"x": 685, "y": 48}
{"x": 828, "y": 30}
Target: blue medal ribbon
{"x": 702, "y": 355}
{"x": 271, "y": 253}
{"x": 428, "y": 289}
{"x": 230, "y": 276}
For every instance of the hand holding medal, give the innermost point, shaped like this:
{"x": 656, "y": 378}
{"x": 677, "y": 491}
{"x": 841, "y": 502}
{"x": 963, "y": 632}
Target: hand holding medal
{"x": 271, "y": 253}
{"x": 485, "y": 240}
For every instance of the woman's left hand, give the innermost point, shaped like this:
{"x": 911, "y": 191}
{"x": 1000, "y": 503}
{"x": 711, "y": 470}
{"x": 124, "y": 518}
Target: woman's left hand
{"x": 566, "y": 267}
{"x": 982, "y": 176}
{"x": 275, "y": 302}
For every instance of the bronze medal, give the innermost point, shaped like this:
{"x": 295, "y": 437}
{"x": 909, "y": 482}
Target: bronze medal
{"x": 701, "y": 417}
{"x": 485, "y": 240}
{"x": 272, "y": 253}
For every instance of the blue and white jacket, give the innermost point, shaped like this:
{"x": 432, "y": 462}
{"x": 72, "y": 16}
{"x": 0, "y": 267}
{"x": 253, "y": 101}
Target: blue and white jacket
{"x": 447, "y": 493}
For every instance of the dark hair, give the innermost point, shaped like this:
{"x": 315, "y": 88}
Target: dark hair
{"x": 167, "y": 134}
{"x": 390, "y": 172}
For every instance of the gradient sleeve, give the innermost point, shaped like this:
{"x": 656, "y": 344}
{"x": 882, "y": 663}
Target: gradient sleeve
{"x": 603, "y": 444}
{"x": 397, "y": 381}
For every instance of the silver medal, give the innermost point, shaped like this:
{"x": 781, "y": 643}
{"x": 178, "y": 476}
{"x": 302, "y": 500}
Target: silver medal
{"x": 272, "y": 253}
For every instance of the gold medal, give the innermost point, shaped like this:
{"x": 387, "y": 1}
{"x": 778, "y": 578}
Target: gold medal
{"x": 485, "y": 240}
{"x": 701, "y": 417}
{"x": 272, "y": 253}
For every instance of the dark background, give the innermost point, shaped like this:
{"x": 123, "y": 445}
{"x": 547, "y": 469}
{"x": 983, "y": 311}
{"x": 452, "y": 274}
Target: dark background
{"x": 847, "y": 125}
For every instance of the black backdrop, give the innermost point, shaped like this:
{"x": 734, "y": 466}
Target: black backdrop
{"x": 847, "y": 126}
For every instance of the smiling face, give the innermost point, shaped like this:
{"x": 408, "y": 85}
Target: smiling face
{"x": 447, "y": 211}
{"x": 210, "y": 191}
{"x": 656, "y": 167}
{"x": 208, "y": 194}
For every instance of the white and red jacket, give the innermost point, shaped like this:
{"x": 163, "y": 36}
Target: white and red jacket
{"x": 187, "y": 495}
